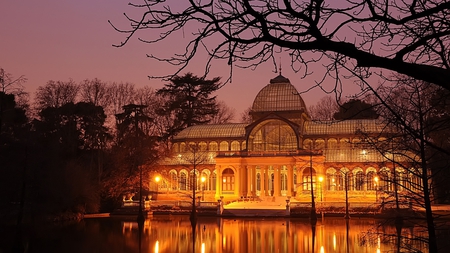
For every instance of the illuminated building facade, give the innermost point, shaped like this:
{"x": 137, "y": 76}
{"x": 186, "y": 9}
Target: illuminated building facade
{"x": 279, "y": 154}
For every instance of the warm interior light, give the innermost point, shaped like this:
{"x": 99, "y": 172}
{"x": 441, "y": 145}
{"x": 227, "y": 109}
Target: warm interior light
{"x": 203, "y": 179}
{"x": 320, "y": 179}
{"x": 157, "y": 178}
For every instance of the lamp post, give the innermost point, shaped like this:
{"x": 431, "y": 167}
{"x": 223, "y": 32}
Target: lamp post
{"x": 313, "y": 204}
{"x": 376, "y": 189}
{"x": 157, "y": 179}
{"x": 321, "y": 191}
{"x": 203, "y": 179}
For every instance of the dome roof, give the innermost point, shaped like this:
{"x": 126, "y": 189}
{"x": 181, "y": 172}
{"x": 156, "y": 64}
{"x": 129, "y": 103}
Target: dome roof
{"x": 278, "y": 95}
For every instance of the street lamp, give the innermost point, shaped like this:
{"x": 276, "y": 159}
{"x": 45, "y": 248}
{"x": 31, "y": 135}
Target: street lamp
{"x": 376, "y": 188}
{"x": 203, "y": 179}
{"x": 157, "y": 179}
{"x": 321, "y": 193}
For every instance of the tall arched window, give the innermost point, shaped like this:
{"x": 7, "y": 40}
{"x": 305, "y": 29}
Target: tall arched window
{"x": 271, "y": 184}
{"x": 223, "y": 146}
{"x": 370, "y": 181}
{"x": 183, "y": 181}
{"x": 213, "y": 146}
{"x": 173, "y": 180}
{"x": 307, "y": 178}
{"x": 213, "y": 180}
{"x": 359, "y": 181}
{"x": 384, "y": 182}
{"x": 258, "y": 181}
{"x": 272, "y": 135}
{"x": 235, "y": 146}
{"x": 228, "y": 180}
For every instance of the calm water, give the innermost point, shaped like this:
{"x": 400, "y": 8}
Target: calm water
{"x": 175, "y": 234}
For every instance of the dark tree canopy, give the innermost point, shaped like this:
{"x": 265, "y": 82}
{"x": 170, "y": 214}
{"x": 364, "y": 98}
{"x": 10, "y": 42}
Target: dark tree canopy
{"x": 355, "y": 109}
{"x": 189, "y": 101}
{"x": 408, "y": 37}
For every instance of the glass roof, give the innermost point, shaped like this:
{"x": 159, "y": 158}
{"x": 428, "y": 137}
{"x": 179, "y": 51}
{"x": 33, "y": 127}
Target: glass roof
{"x": 352, "y": 155}
{"x": 279, "y": 95}
{"x": 187, "y": 158}
{"x": 237, "y": 130}
{"x": 343, "y": 127}
{"x": 230, "y": 130}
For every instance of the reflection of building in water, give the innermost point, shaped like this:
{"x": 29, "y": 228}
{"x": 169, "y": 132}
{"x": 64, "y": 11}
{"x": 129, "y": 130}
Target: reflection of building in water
{"x": 272, "y": 155}
{"x": 273, "y": 235}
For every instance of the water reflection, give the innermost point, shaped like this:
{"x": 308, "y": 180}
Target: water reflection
{"x": 175, "y": 234}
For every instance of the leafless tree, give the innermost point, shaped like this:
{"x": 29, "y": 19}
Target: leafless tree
{"x": 324, "y": 109}
{"x": 245, "y": 116}
{"x": 412, "y": 114}
{"x": 407, "y": 37}
{"x": 94, "y": 91}
{"x": 56, "y": 94}
{"x": 226, "y": 114}
{"x": 120, "y": 94}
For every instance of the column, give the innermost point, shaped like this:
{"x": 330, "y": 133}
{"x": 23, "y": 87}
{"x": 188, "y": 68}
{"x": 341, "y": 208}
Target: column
{"x": 263, "y": 180}
{"x": 218, "y": 182}
{"x": 250, "y": 185}
{"x": 277, "y": 181}
{"x": 290, "y": 181}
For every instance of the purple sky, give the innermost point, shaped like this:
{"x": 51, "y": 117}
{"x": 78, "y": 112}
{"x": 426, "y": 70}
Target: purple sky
{"x": 62, "y": 40}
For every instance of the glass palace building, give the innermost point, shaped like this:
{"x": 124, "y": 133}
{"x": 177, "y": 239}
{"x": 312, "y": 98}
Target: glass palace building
{"x": 278, "y": 155}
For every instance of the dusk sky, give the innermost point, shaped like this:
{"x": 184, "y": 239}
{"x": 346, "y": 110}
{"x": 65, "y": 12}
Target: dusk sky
{"x": 62, "y": 40}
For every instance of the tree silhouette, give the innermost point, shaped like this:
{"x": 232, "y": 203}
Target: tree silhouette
{"x": 189, "y": 102}
{"x": 410, "y": 37}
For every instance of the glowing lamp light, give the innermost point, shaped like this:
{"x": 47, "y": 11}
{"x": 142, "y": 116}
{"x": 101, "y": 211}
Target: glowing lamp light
{"x": 157, "y": 179}
{"x": 203, "y": 179}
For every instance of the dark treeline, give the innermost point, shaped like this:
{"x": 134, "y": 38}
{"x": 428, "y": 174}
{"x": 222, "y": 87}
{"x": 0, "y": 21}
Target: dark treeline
{"x": 77, "y": 148}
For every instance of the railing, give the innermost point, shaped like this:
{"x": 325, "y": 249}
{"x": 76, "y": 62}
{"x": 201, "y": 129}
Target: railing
{"x": 135, "y": 203}
{"x": 269, "y": 153}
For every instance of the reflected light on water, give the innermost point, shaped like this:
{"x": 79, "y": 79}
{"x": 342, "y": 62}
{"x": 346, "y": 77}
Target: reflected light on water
{"x": 156, "y": 247}
{"x": 322, "y": 250}
{"x": 334, "y": 241}
{"x": 203, "y": 247}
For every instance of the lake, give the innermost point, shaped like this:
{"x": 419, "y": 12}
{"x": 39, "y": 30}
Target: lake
{"x": 173, "y": 233}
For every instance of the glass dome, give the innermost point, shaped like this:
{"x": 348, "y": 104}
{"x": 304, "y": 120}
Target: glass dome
{"x": 279, "y": 95}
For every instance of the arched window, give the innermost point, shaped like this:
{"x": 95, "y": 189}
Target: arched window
{"x": 213, "y": 180}
{"x": 183, "y": 181}
{"x": 235, "y": 146}
{"x": 344, "y": 143}
{"x": 271, "y": 184}
{"x": 182, "y": 147}
{"x": 384, "y": 178}
{"x": 370, "y": 181}
{"x": 175, "y": 148}
{"x": 319, "y": 144}
{"x": 258, "y": 181}
{"x": 228, "y": 180}
{"x": 223, "y": 146}
{"x": 332, "y": 143}
{"x": 359, "y": 181}
{"x": 272, "y": 135}
{"x": 330, "y": 179}
{"x": 205, "y": 180}
{"x": 295, "y": 182}
{"x": 350, "y": 181}
{"x": 307, "y": 178}
{"x": 213, "y": 146}
{"x": 202, "y": 146}
{"x": 173, "y": 180}
{"x": 339, "y": 181}
{"x": 307, "y": 144}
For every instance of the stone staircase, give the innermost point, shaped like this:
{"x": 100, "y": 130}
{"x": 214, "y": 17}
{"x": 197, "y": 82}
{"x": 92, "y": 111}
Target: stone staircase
{"x": 263, "y": 207}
